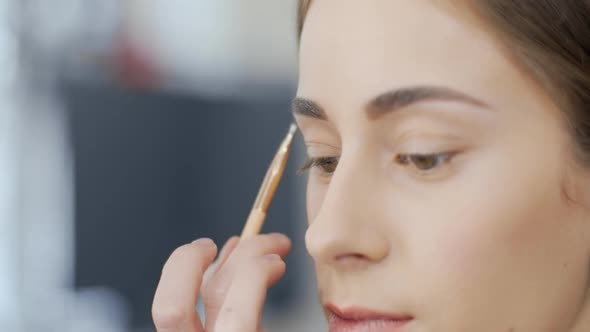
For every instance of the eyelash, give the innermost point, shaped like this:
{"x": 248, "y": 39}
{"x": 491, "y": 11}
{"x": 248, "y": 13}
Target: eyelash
{"x": 404, "y": 159}
{"x": 318, "y": 162}
{"x": 440, "y": 159}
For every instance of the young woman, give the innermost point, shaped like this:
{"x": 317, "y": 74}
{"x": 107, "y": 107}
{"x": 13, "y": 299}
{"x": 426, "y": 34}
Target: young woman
{"x": 449, "y": 185}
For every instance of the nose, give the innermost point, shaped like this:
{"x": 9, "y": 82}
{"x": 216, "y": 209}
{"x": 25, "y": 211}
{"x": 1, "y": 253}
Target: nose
{"x": 348, "y": 231}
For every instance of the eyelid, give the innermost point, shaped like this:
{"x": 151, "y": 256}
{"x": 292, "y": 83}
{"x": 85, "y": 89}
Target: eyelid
{"x": 417, "y": 135}
{"x": 315, "y": 144}
{"x": 431, "y": 144}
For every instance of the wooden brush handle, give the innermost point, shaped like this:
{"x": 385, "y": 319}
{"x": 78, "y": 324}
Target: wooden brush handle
{"x": 253, "y": 224}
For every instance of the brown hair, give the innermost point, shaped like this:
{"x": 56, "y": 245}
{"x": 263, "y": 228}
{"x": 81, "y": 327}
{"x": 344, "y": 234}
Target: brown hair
{"x": 551, "y": 40}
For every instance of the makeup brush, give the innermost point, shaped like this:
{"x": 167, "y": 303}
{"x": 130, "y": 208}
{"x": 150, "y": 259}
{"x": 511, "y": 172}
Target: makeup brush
{"x": 268, "y": 187}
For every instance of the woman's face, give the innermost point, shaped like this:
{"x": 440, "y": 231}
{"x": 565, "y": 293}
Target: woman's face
{"x": 442, "y": 187}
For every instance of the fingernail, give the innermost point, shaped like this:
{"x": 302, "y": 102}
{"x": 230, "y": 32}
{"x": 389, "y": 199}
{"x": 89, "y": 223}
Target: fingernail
{"x": 280, "y": 236}
{"x": 226, "y": 246}
{"x": 230, "y": 240}
{"x": 204, "y": 242}
{"x": 272, "y": 257}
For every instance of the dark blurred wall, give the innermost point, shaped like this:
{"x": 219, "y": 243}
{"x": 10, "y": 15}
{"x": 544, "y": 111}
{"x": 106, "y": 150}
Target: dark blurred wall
{"x": 156, "y": 170}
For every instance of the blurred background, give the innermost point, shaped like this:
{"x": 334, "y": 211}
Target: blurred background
{"x": 130, "y": 127}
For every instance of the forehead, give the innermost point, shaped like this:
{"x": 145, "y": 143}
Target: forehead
{"x": 355, "y": 50}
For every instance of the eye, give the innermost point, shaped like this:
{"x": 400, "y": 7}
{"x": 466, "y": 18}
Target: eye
{"x": 424, "y": 162}
{"x": 327, "y": 165}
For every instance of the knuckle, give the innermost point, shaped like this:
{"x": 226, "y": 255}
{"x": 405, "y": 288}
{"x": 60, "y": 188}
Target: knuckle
{"x": 168, "y": 316}
{"x": 213, "y": 293}
{"x": 271, "y": 265}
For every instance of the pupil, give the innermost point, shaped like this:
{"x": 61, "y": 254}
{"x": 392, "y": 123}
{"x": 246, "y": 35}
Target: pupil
{"x": 329, "y": 165}
{"x": 424, "y": 162}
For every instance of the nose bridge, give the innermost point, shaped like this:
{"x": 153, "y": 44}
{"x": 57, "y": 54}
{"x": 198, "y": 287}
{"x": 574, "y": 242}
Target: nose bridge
{"x": 348, "y": 222}
{"x": 350, "y": 191}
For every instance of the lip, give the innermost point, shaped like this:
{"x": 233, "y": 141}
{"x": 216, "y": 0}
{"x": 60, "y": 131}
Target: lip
{"x": 357, "y": 319}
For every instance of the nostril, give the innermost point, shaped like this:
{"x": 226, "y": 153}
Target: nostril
{"x": 351, "y": 257}
{"x": 351, "y": 261}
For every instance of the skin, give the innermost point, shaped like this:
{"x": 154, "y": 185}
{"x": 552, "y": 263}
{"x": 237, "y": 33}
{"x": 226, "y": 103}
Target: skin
{"x": 494, "y": 238}
{"x": 233, "y": 287}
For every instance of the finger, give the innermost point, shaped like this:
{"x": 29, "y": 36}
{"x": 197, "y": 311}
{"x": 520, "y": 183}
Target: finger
{"x": 227, "y": 249}
{"x": 242, "y": 308}
{"x": 173, "y": 309}
{"x": 217, "y": 288}
{"x": 260, "y": 245}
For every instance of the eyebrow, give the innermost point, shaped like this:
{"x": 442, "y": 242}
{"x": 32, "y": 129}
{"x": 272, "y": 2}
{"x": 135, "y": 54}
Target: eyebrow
{"x": 391, "y": 101}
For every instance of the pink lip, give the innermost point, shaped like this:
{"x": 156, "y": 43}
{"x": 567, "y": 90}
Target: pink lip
{"x": 364, "y": 320}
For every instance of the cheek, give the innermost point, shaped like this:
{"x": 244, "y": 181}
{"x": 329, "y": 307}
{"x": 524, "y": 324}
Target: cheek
{"x": 501, "y": 240}
{"x": 508, "y": 216}
{"x": 506, "y": 202}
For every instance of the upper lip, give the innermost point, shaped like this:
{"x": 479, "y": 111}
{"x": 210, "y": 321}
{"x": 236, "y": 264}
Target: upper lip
{"x": 359, "y": 314}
